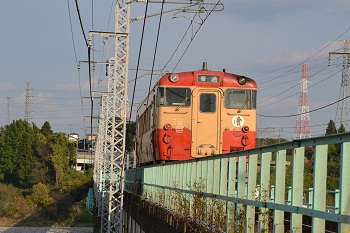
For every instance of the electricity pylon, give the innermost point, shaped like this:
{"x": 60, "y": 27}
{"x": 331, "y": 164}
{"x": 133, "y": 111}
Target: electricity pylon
{"x": 28, "y": 103}
{"x": 342, "y": 113}
{"x": 302, "y": 128}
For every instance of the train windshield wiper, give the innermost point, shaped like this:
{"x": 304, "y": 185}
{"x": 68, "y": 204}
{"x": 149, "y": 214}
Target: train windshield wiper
{"x": 244, "y": 104}
{"x": 182, "y": 103}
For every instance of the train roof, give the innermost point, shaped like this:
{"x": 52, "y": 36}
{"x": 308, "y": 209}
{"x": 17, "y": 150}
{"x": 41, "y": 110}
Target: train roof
{"x": 207, "y": 78}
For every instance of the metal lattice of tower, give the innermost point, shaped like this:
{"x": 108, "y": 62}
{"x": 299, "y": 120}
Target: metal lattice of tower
{"x": 8, "y": 110}
{"x": 28, "y": 103}
{"x": 302, "y": 128}
{"x": 110, "y": 149}
{"x": 342, "y": 112}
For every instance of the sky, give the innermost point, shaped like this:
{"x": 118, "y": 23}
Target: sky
{"x": 42, "y": 43}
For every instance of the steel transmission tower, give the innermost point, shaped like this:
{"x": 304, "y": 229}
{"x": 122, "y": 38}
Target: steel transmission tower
{"x": 28, "y": 103}
{"x": 110, "y": 148}
{"x": 8, "y": 110}
{"x": 302, "y": 128}
{"x": 342, "y": 114}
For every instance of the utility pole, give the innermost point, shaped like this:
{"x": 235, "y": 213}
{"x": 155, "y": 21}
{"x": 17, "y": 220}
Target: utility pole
{"x": 302, "y": 128}
{"x": 28, "y": 104}
{"x": 342, "y": 113}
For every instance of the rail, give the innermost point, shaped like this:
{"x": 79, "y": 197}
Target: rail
{"x": 227, "y": 193}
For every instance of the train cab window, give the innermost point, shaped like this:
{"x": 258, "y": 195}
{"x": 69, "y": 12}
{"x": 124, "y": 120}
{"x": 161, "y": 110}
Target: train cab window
{"x": 207, "y": 103}
{"x": 174, "y": 96}
{"x": 240, "y": 99}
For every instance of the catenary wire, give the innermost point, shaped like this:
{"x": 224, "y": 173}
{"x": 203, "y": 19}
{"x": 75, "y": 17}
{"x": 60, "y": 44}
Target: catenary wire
{"x": 89, "y": 59}
{"x": 76, "y": 59}
{"x": 138, "y": 62}
{"x": 155, "y": 51}
{"x": 183, "y": 37}
{"x": 192, "y": 38}
{"x": 153, "y": 62}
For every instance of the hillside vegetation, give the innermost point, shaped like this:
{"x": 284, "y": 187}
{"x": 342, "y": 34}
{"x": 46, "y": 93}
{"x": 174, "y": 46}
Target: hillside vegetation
{"x": 38, "y": 184}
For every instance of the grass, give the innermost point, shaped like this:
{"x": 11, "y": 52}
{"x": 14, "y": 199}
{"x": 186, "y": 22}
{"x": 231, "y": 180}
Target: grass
{"x": 85, "y": 219}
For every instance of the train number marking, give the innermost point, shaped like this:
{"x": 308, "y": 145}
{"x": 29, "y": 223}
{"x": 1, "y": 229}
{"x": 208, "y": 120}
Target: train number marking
{"x": 178, "y": 125}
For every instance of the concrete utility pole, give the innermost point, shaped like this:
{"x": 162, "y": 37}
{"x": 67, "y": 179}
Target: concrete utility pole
{"x": 110, "y": 148}
{"x": 28, "y": 104}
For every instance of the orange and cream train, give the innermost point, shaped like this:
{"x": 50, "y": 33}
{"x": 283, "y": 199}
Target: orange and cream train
{"x": 195, "y": 114}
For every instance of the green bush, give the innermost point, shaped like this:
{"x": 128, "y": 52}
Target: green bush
{"x": 41, "y": 195}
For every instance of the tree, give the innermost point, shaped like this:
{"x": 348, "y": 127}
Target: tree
{"x": 130, "y": 136}
{"x": 26, "y": 161}
{"x": 333, "y": 149}
{"x": 331, "y": 129}
{"x": 16, "y": 153}
{"x": 46, "y": 129}
{"x": 29, "y": 155}
{"x": 341, "y": 128}
{"x": 41, "y": 195}
{"x": 63, "y": 155}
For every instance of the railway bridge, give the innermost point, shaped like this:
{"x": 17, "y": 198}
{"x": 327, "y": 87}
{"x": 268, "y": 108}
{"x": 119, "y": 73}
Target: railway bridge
{"x": 243, "y": 191}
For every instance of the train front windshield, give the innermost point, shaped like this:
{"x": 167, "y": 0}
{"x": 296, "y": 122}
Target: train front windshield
{"x": 240, "y": 99}
{"x": 174, "y": 96}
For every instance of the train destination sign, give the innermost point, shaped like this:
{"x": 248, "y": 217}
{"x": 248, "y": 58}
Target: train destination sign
{"x": 208, "y": 78}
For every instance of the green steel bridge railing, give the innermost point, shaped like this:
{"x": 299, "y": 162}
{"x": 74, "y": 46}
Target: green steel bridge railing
{"x": 244, "y": 192}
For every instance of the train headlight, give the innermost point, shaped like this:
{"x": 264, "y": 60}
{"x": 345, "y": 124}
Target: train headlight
{"x": 167, "y": 126}
{"x": 245, "y": 129}
{"x": 242, "y": 80}
{"x": 173, "y": 78}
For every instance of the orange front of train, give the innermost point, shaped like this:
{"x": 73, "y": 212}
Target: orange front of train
{"x": 203, "y": 113}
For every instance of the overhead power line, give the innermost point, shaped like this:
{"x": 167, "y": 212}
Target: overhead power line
{"x": 314, "y": 110}
{"x": 306, "y": 60}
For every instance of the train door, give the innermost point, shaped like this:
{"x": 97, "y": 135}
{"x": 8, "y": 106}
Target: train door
{"x": 206, "y": 122}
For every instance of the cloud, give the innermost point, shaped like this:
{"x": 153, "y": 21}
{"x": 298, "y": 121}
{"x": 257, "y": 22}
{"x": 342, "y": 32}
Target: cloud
{"x": 73, "y": 86}
{"x": 8, "y": 86}
{"x": 298, "y": 56}
{"x": 257, "y": 10}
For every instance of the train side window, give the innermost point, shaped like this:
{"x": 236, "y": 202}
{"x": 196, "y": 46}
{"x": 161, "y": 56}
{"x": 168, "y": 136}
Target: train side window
{"x": 207, "y": 103}
{"x": 160, "y": 97}
{"x": 253, "y": 100}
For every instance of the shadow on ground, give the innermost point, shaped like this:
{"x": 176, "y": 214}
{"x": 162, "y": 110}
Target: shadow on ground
{"x": 66, "y": 214}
